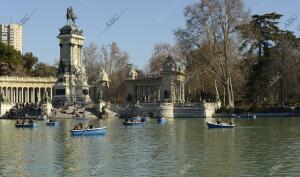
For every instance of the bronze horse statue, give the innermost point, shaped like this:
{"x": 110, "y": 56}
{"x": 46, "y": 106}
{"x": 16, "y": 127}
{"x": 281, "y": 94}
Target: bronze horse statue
{"x": 71, "y": 15}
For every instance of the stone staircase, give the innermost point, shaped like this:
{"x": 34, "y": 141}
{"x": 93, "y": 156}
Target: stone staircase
{"x": 19, "y": 113}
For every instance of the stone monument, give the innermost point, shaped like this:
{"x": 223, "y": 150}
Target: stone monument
{"x": 173, "y": 80}
{"x": 101, "y": 87}
{"x": 71, "y": 86}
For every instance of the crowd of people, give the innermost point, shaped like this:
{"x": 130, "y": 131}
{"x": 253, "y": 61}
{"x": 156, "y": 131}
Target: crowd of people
{"x": 24, "y": 107}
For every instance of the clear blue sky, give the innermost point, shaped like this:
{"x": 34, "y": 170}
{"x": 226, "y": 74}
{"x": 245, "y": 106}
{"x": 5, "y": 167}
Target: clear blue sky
{"x": 143, "y": 24}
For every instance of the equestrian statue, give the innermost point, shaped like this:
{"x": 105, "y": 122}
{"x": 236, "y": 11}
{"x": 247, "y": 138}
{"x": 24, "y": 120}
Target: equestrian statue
{"x": 70, "y": 15}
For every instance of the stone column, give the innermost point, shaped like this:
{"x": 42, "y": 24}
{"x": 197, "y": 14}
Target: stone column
{"x": 11, "y": 94}
{"x": 180, "y": 92}
{"x": 51, "y": 93}
{"x": 15, "y": 95}
{"x": 183, "y": 94}
{"x": 22, "y": 95}
{"x": 7, "y": 92}
{"x": 71, "y": 52}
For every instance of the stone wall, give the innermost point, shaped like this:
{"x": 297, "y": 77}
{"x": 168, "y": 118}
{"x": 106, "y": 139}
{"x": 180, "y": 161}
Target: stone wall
{"x": 5, "y": 107}
{"x": 168, "y": 110}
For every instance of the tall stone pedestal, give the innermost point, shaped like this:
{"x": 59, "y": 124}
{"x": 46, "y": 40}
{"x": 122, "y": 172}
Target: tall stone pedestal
{"x": 71, "y": 86}
{"x": 167, "y": 110}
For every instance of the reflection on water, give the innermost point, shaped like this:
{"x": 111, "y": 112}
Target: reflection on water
{"x": 182, "y": 147}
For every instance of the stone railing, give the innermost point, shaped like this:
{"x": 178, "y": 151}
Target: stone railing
{"x": 27, "y": 79}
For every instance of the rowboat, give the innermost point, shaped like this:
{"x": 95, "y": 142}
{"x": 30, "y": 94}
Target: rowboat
{"x": 161, "y": 121}
{"x": 221, "y": 125}
{"x": 55, "y": 123}
{"x": 133, "y": 123}
{"x": 85, "y": 132}
{"x": 33, "y": 125}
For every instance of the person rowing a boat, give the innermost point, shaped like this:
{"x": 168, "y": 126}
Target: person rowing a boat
{"x": 219, "y": 121}
{"x": 80, "y": 126}
{"x": 161, "y": 118}
{"x": 90, "y": 126}
{"x": 76, "y": 127}
{"x": 30, "y": 122}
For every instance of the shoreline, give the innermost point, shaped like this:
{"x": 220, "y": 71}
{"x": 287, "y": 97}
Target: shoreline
{"x": 257, "y": 114}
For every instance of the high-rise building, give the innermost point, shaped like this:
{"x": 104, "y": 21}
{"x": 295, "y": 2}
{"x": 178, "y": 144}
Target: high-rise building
{"x": 12, "y": 35}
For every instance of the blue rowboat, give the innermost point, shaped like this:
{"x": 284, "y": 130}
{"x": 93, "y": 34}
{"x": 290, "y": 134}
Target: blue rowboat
{"x": 222, "y": 125}
{"x": 34, "y": 125}
{"x": 133, "y": 123}
{"x": 52, "y": 123}
{"x": 85, "y": 132}
{"x": 162, "y": 121}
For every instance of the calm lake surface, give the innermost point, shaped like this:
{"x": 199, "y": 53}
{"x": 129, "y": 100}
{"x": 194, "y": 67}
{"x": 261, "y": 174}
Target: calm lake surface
{"x": 182, "y": 147}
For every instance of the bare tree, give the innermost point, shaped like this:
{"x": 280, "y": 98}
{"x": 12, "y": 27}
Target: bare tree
{"x": 91, "y": 61}
{"x": 110, "y": 59}
{"x": 210, "y": 37}
{"x": 160, "y": 53}
{"x": 114, "y": 62}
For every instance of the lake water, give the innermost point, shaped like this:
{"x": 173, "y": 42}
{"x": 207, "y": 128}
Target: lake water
{"x": 183, "y": 147}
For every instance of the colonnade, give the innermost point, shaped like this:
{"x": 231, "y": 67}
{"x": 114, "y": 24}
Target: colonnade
{"x": 25, "y": 94}
{"x": 148, "y": 94}
{"x": 26, "y": 89}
